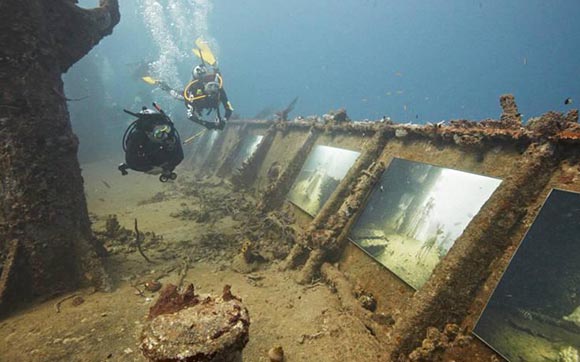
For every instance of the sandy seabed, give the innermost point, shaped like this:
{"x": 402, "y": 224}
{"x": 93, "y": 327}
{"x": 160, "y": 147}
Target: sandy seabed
{"x": 307, "y": 321}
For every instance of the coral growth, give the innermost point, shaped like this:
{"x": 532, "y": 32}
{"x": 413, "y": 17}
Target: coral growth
{"x": 171, "y": 301}
{"x": 510, "y": 118}
{"x": 183, "y": 327}
{"x": 556, "y": 125}
{"x": 437, "y": 342}
{"x": 339, "y": 116}
{"x": 366, "y": 299}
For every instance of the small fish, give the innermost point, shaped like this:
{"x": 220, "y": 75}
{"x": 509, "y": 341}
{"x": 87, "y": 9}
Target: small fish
{"x": 525, "y": 61}
{"x": 568, "y": 101}
{"x": 106, "y": 184}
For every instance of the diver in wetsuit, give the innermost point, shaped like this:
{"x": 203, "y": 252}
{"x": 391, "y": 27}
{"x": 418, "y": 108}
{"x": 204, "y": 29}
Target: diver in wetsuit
{"x": 202, "y": 97}
{"x": 152, "y": 144}
{"x": 204, "y": 93}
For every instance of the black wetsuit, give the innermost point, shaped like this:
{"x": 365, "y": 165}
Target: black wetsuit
{"x": 146, "y": 153}
{"x": 198, "y": 101}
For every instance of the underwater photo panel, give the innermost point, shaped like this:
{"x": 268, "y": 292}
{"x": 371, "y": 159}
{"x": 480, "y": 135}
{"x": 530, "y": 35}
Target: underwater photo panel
{"x": 414, "y": 215}
{"x": 249, "y": 146}
{"x": 323, "y": 170}
{"x": 534, "y": 312}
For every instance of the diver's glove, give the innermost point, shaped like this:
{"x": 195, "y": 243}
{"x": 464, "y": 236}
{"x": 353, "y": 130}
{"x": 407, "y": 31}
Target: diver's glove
{"x": 229, "y": 110}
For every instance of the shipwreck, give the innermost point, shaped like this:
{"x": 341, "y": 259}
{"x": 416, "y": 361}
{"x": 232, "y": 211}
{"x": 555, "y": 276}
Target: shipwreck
{"x": 345, "y": 240}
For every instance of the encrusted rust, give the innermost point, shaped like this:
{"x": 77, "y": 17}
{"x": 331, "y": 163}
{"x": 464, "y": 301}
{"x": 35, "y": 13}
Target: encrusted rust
{"x": 457, "y": 278}
{"x": 463, "y": 133}
{"x": 510, "y": 117}
{"x": 9, "y": 279}
{"x": 328, "y": 242}
{"x": 369, "y": 154}
{"x": 273, "y": 195}
{"x": 43, "y": 207}
{"x": 171, "y": 301}
{"x": 349, "y": 302}
{"x": 436, "y": 343}
{"x": 542, "y": 142}
{"x": 294, "y": 258}
{"x": 196, "y": 329}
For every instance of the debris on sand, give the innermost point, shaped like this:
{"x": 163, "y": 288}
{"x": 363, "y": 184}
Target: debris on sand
{"x": 57, "y": 304}
{"x": 158, "y": 197}
{"x": 276, "y": 354}
{"x": 171, "y": 301}
{"x": 187, "y": 327}
{"x": 78, "y": 300}
{"x": 117, "y": 239}
{"x": 152, "y": 286}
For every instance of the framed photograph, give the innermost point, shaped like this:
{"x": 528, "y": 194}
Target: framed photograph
{"x": 415, "y": 213}
{"x": 323, "y": 170}
{"x": 534, "y": 312}
{"x": 249, "y": 146}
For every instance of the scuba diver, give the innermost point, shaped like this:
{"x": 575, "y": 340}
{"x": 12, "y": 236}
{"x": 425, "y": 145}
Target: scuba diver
{"x": 152, "y": 144}
{"x": 204, "y": 93}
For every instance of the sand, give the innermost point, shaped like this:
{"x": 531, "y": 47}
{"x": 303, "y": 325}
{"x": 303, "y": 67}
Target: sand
{"x": 307, "y": 321}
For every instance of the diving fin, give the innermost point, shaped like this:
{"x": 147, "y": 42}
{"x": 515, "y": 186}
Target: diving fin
{"x": 204, "y": 52}
{"x": 149, "y": 80}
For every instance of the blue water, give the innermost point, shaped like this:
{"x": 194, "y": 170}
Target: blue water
{"x": 411, "y": 60}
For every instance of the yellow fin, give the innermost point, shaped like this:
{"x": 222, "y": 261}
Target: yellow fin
{"x": 204, "y": 52}
{"x": 149, "y": 80}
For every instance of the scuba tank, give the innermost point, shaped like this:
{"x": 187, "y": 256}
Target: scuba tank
{"x": 152, "y": 144}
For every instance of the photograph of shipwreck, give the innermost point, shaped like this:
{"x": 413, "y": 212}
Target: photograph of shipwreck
{"x": 205, "y": 180}
{"x": 535, "y": 305}
{"x": 415, "y": 213}
{"x": 320, "y": 175}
